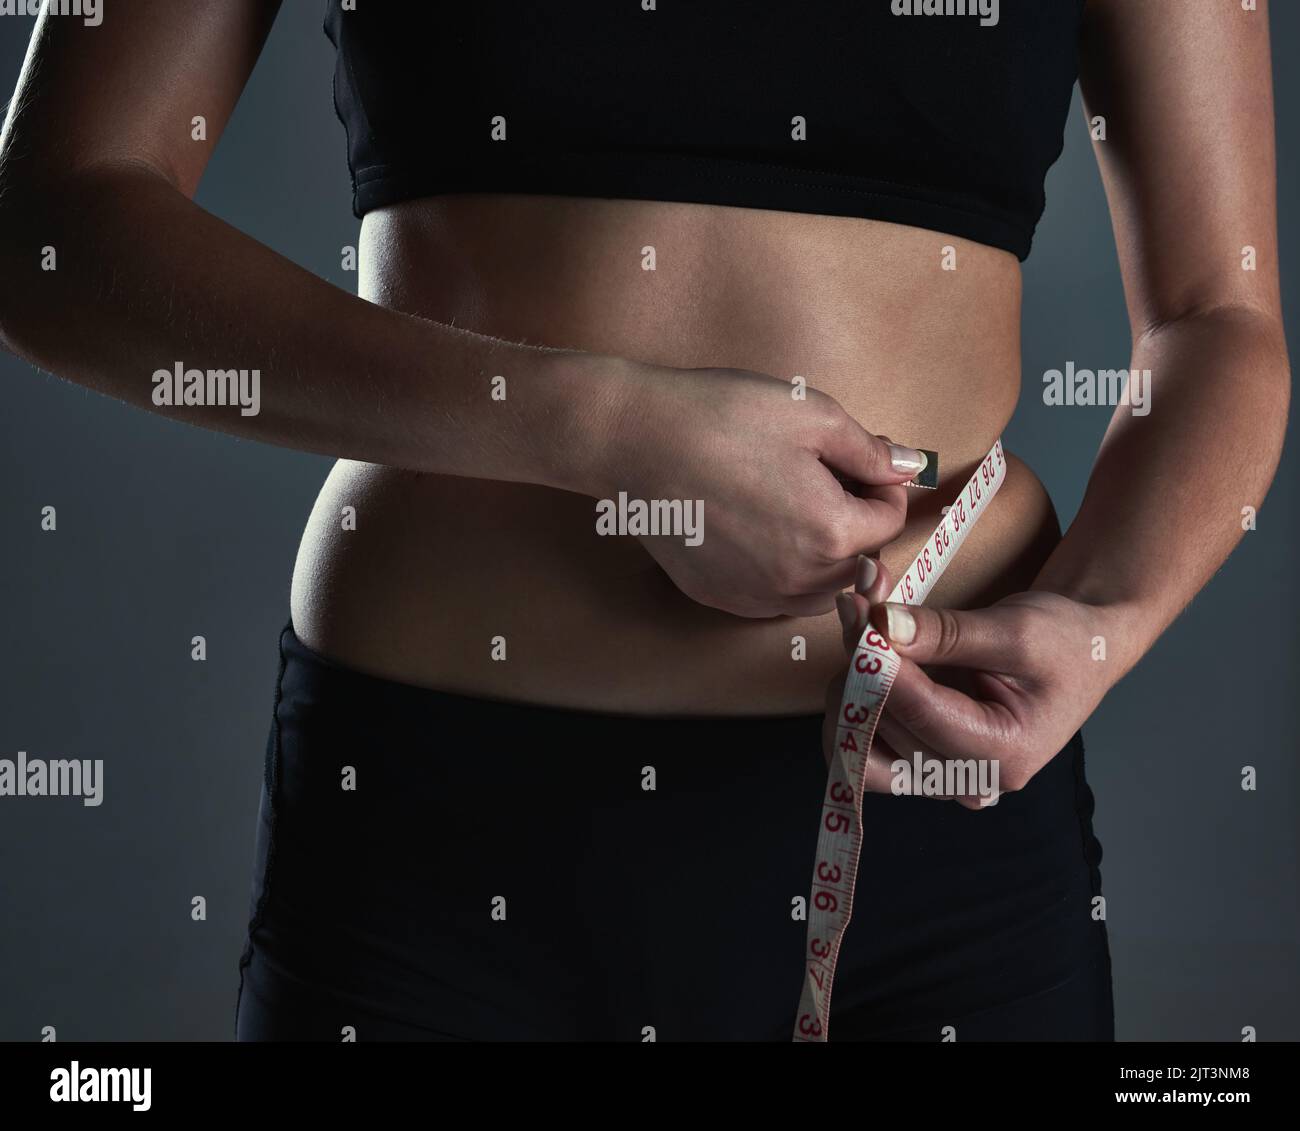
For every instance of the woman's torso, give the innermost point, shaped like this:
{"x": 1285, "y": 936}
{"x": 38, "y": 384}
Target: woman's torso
{"x": 508, "y": 591}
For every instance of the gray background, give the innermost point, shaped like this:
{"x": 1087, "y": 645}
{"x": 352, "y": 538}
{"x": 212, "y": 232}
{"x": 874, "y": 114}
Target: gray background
{"x": 167, "y": 531}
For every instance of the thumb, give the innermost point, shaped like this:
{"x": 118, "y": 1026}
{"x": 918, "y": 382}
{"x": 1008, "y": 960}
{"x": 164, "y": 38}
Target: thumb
{"x": 869, "y": 459}
{"x": 960, "y": 638}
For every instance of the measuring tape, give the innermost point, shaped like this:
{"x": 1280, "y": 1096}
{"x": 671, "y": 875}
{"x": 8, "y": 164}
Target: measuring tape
{"x": 871, "y": 675}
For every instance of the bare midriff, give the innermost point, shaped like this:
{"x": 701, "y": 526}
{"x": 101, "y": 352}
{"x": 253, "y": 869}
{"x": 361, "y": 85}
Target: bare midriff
{"x": 508, "y": 591}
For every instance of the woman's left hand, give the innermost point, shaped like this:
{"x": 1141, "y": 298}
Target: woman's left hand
{"x": 1014, "y": 682}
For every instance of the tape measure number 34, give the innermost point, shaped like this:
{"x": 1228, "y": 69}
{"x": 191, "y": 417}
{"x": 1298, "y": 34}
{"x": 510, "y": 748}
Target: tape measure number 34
{"x": 871, "y": 674}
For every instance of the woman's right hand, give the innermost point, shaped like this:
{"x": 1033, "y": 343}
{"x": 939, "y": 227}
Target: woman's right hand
{"x": 781, "y": 533}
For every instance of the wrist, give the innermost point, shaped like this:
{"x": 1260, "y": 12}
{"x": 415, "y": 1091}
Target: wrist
{"x": 1117, "y": 630}
{"x": 589, "y": 402}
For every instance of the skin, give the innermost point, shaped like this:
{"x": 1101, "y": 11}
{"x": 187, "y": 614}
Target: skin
{"x": 636, "y": 626}
{"x": 1212, "y": 335}
{"x": 477, "y": 519}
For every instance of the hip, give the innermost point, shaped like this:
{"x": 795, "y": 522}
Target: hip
{"x": 519, "y": 592}
{"x": 481, "y": 870}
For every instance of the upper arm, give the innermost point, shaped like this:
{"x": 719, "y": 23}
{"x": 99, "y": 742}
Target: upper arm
{"x": 129, "y": 88}
{"x": 1188, "y": 160}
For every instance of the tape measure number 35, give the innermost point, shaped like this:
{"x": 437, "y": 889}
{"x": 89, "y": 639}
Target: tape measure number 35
{"x": 871, "y": 674}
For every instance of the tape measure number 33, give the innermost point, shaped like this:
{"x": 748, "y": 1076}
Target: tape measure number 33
{"x": 871, "y": 675}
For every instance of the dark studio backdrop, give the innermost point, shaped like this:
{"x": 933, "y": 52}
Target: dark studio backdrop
{"x": 166, "y": 532}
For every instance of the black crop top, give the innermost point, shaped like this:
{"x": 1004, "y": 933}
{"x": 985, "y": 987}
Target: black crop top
{"x": 839, "y": 107}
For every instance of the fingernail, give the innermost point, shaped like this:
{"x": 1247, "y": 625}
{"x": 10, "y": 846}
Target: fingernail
{"x": 901, "y": 624}
{"x": 866, "y": 574}
{"x": 907, "y": 459}
{"x": 845, "y": 607}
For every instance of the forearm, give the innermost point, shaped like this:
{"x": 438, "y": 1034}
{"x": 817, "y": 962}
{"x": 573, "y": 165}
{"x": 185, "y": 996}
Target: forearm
{"x": 146, "y": 280}
{"x": 1164, "y": 505}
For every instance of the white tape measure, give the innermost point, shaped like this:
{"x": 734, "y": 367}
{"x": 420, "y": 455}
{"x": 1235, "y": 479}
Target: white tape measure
{"x": 871, "y": 675}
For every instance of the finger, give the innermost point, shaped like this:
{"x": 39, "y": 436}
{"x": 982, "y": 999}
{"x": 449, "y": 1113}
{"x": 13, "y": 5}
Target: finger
{"x": 913, "y": 777}
{"x": 971, "y": 782}
{"x": 873, "y": 580}
{"x": 850, "y": 572}
{"x": 831, "y": 579}
{"x": 978, "y": 802}
{"x": 814, "y": 604}
{"x": 853, "y": 610}
{"x": 885, "y": 768}
{"x": 899, "y": 737}
{"x": 961, "y": 638}
{"x": 946, "y": 720}
{"x": 874, "y": 516}
{"x": 852, "y": 450}
{"x": 907, "y": 746}
{"x": 871, "y": 584}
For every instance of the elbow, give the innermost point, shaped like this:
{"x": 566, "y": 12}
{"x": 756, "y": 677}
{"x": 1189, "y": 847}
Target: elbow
{"x": 1224, "y": 318}
{"x": 1257, "y": 339}
{"x": 63, "y": 237}
{"x": 1258, "y": 342}
{"x": 23, "y": 255}
{"x": 40, "y": 225}
{"x": 1252, "y": 335}
{"x": 1265, "y": 341}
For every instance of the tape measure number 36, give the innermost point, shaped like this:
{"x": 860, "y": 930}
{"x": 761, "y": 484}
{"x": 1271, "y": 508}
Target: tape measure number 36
{"x": 871, "y": 675}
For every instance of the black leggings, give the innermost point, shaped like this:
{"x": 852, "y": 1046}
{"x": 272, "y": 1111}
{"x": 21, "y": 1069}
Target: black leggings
{"x": 500, "y": 872}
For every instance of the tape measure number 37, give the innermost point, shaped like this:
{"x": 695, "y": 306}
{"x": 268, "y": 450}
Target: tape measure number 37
{"x": 871, "y": 674}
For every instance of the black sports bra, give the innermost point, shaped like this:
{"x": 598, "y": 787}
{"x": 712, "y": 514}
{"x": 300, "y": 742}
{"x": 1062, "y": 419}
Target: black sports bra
{"x": 841, "y": 107}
